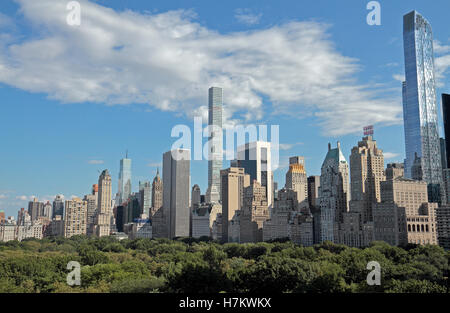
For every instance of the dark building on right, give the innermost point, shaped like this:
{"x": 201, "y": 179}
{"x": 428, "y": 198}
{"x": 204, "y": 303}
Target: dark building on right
{"x": 446, "y": 118}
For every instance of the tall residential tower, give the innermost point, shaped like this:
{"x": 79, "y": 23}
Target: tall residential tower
{"x": 419, "y": 103}
{"x": 215, "y": 144}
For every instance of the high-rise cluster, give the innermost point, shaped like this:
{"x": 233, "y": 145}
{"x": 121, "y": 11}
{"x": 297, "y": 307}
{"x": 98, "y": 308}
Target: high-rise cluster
{"x": 351, "y": 203}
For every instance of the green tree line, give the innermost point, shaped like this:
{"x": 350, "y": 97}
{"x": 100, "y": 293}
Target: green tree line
{"x": 203, "y": 266}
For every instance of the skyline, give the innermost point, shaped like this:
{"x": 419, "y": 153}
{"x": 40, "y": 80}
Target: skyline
{"x": 79, "y": 169}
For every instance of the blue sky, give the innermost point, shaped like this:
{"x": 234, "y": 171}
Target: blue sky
{"x": 74, "y": 99}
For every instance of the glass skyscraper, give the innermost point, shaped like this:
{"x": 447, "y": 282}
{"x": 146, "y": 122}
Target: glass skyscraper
{"x": 124, "y": 180}
{"x": 215, "y": 144}
{"x": 419, "y": 102}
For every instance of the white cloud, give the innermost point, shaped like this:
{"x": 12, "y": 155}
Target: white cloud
{"x": 154, "y": 164}
{"x": 245, "y": 16}
{"x": 168, "y": 60}
{"x": 390, "y": 155}
{"x": 288, "y": 146}
{"x": 442, "y": 66}
{"x": 24, "y": 198}
{"x": 399, "y": 77}
{"x": 439, "y": 48}
{"x": 392, "y": 64}
{"x": 3, "y": 196}
{"x": 96, "y": 161}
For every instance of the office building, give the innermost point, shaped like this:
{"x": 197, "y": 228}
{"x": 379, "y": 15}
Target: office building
{"x": 176, "y": 182}
{"x": 443, "y": 153}
{"x": 443, "y": 226}
{"x": 145, "y": 193}
{"x": 446, "y": 119}
{"x": 58, "y": 206}
{"x": 255, "y": 159}
{"x": 201, "y": 221}
{"x": 124, "y": 180}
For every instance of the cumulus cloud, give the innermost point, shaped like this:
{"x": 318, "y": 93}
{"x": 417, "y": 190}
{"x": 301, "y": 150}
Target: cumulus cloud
{"x": 390, "y": 155}
{"x": 96, "y": 161}
{"x": 168, "y": 60}
{"x": 439, "y": 48}
{"x": 154, "y": 164}
{"x": 399, "y": 77}
{"x": 3, "y": 196}
{"x": 24, "y": 198}
{"x": 287, "y": 146}
{"x": 245, "y": 16}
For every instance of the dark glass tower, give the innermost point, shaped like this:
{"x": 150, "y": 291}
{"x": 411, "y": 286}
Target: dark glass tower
{"x": 446, "y": 118}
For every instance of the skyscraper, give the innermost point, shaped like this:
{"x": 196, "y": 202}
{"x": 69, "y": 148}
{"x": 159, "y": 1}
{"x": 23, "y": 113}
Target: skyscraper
{"x": 443, "y": 153}
{"x": 296, "y": 180}
{"x": 419, "y": 103}
{"x": 255, "y": 159}
{"x": 176, "y": 182}
{"x": 47, "y": 210}
{"x": 446, "y": 119}
{"x": 58, "y": 206}
{"x": 75, "y": 217}
{"x": 195, "y": 197}
{"x": 124, "y": 180}
{"x": 159, "y": 227}
{"x": 334, "y": 193}
{"x": 91, "y": 201}
{"x": 313, "y": 190}
{"x": 35, "y": 209}
{"x": 103, "y": 219}
{"x": 234, "y": 180}
{"x": 215, "y": 144}
{"x": 145, "y": 192}
{"x": 366, "y": 173}
{"x": 254, "y": 213}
